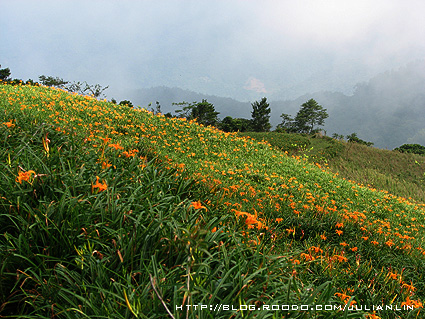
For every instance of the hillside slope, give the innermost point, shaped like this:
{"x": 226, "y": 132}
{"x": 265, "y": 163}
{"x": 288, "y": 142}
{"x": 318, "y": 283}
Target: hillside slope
{"x": 401, "y": 174}
{"x": 147, "y": 213}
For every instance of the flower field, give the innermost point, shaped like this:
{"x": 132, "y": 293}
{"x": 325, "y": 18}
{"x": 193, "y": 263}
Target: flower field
{"x": 113, "y": 212}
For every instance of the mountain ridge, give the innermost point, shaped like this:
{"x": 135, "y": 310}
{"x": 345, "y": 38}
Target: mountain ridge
{"x": 387, "y": 110}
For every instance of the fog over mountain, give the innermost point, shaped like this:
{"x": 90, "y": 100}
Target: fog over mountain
{"x": 237, "y": 49}
{"x": 241, "y": 50}
{"x": 388, "y": 110}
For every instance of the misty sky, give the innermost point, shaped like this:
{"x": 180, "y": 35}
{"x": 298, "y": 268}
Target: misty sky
{"x": 242, "y": 49}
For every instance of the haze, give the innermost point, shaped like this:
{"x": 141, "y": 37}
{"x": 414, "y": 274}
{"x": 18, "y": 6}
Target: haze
{"x": 239, "y": 49}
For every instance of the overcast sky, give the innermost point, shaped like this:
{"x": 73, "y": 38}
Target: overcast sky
{"x": 240, "y": 49}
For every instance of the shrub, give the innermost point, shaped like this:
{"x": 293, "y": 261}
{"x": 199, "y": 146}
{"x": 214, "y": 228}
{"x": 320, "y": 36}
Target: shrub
{"x": 411, "y": 148}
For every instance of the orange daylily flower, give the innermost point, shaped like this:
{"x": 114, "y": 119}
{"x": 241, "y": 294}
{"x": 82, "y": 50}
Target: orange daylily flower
{"x": 106, "y": 165}
{"x": 414, "y": 303}
{"x": 373, "y": 316}
{"x": 102, "y": 186}
{"x": 9, "y": 124}
{"x": 198, "y": 205}
{"x": 340, "y": 258}
{"x": 24, "y": 176}
{"x": 116, "y": 146}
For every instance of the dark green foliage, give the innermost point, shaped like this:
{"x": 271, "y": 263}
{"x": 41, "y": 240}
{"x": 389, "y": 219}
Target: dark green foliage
{"x": 204, "y": 112}
{"x": 338, "y": 136}
{"x": 5, "y": 78}
{"x": 260, "y": 116}
{"x": 230, "y": 124}
{"x": 411, "y": 148}
{"x": 126, "y": 103}
{"x": 52, "y": 81}
{"x": 4, "y": 74}
{"x": 311, "y": 114}
{"x": 287, "y": 124}
{"x": 353, "y": 138}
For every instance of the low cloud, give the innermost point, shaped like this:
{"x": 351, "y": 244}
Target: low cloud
{"x": 254, "y": 84}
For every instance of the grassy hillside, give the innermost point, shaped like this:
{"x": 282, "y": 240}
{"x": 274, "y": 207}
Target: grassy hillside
{"x": 401, "y": 174}
{"x": 111, "y": 212}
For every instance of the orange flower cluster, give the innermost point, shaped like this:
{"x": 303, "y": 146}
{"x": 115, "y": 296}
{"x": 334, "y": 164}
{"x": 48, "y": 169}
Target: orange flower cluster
{"x": 251, "y": 220}
{"x": 414, "y": 303}
{"x": 25, "y": 176}
{"x": 101, "y": 186}
{"x": 345, "y": 298}
{"x": 198, "y": 205}
{"x": 9, "y": 124}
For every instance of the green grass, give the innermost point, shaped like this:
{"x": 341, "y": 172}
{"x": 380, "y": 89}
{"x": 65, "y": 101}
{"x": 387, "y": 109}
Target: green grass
{"x": 401, "y": 174}
{"x": 126, "y": 214}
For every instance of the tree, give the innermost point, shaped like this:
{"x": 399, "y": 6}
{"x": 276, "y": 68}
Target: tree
{"x": 204, "y": 112}
{"x": 4, "y": 74}
{"x": 311, "y": 114}
{"x": 338, "y": 136}
{"x": 411, "y": 148}
{"x": 353, "y": 138}
{"x": 260, "y": 116}
{"x": 82, "y": 88}
{"x": 52, "y": 81}
{"x": 287, "y": 123}
{"x": 230, "y": 124}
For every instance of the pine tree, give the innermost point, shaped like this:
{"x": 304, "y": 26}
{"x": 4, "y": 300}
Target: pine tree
{"x": 260, "y": 116}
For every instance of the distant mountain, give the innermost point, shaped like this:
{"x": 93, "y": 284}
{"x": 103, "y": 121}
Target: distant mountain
{"x": 388, "y": 110}
{"x": 166, "y": 96}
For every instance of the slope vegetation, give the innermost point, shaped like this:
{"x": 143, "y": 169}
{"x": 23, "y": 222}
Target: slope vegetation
{"x": 109, "y": 211}
{"x": 401, "y": 174}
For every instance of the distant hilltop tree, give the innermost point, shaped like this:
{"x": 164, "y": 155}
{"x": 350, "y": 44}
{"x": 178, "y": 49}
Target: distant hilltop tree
{"x": 230, "y": 124}
{"x": 261, "y": 116}
{"x": 411, "y": 148}
{"x": 309, "y": 117}
{"x": 5, "y": 77}
{"x": 311, "y": 114}
{"x": 52, "y": 81}
{"x": 82, "y": 88}
{"x": 5, "y": 74}
{"x": 204, "y": 112}
{"x": 353, "y": 138}
{"x": 338, "y": 136}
